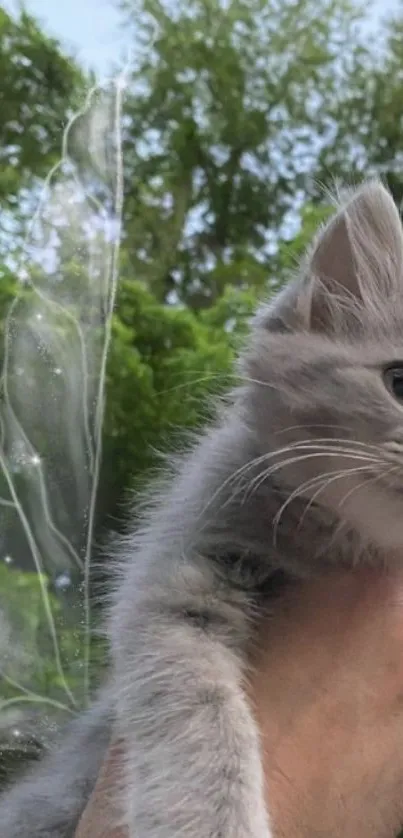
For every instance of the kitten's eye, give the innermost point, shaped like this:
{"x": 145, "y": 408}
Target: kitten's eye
{"x": 394, "y": 381}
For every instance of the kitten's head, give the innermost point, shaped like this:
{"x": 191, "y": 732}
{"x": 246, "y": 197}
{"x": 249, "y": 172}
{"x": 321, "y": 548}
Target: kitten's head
{"x": 325, "y": 371}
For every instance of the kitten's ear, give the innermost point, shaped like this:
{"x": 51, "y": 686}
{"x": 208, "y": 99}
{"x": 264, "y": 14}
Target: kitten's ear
{"x": 355, "y": 263}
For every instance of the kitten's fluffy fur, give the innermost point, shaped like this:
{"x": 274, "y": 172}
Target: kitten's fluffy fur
{"x": 302, "y": 470}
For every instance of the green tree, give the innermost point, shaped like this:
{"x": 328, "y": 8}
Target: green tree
{"x": 39, "y": 84}
{"x": 164, "y": 364}
{"x": 225, "y": 110}
{"x": 366, "y": 136}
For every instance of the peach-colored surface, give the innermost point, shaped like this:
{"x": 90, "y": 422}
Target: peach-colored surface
{"x": 101, "y": 811}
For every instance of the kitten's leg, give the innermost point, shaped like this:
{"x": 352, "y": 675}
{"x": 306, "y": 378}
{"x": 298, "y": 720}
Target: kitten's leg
{"x": 193, "y": 764}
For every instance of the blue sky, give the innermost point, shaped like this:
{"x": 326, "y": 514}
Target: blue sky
{"x": 91, "y": 27}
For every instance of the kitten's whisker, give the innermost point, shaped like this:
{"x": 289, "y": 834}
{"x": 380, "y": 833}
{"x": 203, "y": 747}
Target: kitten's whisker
{"x": 256, "y": 482}
{"x": 325, "y": 446}
{"x": 338, "y": 475}
{"x": 340, "y": 441}
{"x": 248, "y": 380}
{"x": 301, "y": 488}
{"x": 306, "y": 486}
{"x": 234, "y": 475}
{"x": 244, "y": 469}
{"x": 270, "y": 471}
{"x": 304, "y": 427}
{"x": 340, "y": 446}
{"x": 372, "y": 479}
{"x": 202, "y": 376}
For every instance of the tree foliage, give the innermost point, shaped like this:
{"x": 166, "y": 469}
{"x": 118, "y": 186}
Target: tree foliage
{"x": 226, "y": 107}
{"x": 39, "y": 85}
{"x": 366, "y": 135}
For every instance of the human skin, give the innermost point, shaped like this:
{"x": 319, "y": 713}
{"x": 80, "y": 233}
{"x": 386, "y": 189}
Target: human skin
{"x": 326, "y": 688}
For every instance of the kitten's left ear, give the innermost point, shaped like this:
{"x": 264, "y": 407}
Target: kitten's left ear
{"x": 359, "y": 255}
{"x": 357, "y": 258}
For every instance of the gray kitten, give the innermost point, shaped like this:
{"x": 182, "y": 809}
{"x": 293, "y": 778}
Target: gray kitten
{"x": 301, "y": 470}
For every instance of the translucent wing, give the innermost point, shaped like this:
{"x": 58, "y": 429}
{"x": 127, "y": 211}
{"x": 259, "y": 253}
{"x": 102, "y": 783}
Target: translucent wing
{"x": 52, "y": 391}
